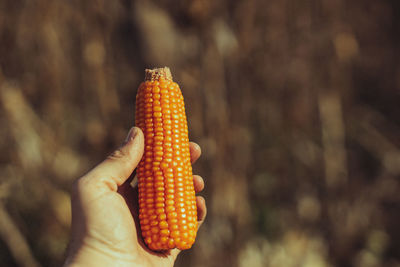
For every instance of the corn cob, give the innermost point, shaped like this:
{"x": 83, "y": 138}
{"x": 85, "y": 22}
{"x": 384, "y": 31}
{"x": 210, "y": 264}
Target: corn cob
{"x": 167, "y": 202}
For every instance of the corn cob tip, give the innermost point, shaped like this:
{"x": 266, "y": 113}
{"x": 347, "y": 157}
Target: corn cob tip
{"x": 157, "y": 74}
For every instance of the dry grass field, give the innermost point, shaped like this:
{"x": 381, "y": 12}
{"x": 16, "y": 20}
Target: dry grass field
{"x": 296, "y": 105}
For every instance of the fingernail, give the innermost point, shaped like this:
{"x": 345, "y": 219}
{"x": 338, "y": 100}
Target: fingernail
{"x": 131, "y": 134}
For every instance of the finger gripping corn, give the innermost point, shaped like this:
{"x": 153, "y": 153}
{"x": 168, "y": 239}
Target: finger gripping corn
{"x": 167, "y": 201}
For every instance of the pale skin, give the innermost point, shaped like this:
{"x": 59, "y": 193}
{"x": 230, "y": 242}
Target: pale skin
{"x": 105, "y": 225}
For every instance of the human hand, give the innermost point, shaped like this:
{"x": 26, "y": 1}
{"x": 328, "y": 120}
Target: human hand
{"x": 105, "y": 224}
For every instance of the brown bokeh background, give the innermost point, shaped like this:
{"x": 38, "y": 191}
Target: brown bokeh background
{"x": 296, "y": 105}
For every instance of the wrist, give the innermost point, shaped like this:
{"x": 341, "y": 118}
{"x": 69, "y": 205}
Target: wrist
{"x": 88, "y": 256}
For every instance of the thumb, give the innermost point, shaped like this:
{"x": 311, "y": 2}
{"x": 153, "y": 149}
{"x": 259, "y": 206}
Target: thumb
{"x": 118, "y": 166}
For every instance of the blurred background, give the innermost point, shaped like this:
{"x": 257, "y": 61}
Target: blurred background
{"x": 296, "y": 105}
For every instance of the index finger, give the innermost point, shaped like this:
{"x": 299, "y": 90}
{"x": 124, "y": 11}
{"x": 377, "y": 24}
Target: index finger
{"x": 195, "y": 151}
